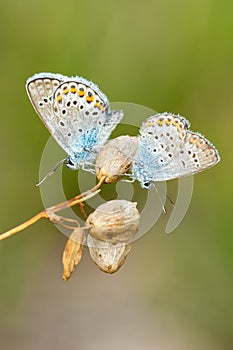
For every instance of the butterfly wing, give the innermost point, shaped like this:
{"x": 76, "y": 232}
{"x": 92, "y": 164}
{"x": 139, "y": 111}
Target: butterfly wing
{"x": 40, "y": 88}
{"x": 168, "y": 150}
{"x": 110, "y": 121}
{"x": 75, "y": 112}
{"x": 83, "y": 120}
{"x": 196, "y": 155}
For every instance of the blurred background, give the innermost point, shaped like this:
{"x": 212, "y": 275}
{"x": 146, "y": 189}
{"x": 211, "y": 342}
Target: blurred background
{"x": 174, "y": 291}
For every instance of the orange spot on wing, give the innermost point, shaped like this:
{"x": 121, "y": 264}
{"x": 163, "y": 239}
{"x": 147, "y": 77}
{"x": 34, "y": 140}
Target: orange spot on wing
{"x": 73, "y": 90}
{"x": 90, "y": 98}
{"x": 160, "y": 122}
{"x": 99, "y": 106}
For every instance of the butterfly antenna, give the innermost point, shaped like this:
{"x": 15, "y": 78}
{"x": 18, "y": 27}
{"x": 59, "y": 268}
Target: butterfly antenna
{"x": 51, "y": 172}
{"x": 163, "y": 206}
{"x": 171, "y": 201}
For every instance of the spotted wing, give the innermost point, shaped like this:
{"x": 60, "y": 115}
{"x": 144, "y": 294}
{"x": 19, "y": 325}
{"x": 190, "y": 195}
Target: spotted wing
{"x": 40, "y": 88}
{"x": 167, "y": 150}
{"x": 196, "y": 155}
{"x": 82, "y": 118}
{"x": 74, "y": 110}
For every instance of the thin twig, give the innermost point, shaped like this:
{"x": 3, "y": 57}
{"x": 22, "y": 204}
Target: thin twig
{"x": 46, "y": 213}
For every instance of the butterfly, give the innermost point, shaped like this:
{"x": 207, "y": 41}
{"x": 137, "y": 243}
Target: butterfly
{"x": 168, "y": 150}
{"x": 76, "y": 113}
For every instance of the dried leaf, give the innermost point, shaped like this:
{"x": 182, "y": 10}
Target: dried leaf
{"x": 73, "y": 252}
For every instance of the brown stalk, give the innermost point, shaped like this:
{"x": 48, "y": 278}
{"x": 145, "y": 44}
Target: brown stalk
{"x": 46, "y": 213}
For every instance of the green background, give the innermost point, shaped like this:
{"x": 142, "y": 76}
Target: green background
{"x": 174, "y": 291}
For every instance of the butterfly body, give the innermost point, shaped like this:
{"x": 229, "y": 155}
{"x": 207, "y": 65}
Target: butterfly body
{"x": 168, "y": 150}
{"x": 76, "y": 113}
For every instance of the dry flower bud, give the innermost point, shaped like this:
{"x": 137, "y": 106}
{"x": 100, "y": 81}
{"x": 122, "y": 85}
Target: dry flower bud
{"x": 73, "y": 252}
{"x": 115, "y": 158}
{"x": 114, "y": 221}
{"x": 107, "y": 256}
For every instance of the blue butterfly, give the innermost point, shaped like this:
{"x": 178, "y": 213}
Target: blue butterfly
{"x": 76, "y": 113}
{"x": 167, "y": 150}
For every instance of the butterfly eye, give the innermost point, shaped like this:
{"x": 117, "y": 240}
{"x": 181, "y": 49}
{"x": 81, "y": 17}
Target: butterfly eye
{"x": 69, "y": 162}
{"x": 147, "y": 184}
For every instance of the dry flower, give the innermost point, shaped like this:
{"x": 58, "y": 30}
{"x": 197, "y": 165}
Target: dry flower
{"x": 107, "y": 256}
{"x": 115, "y": 158}
{"x": 114, "y": 221}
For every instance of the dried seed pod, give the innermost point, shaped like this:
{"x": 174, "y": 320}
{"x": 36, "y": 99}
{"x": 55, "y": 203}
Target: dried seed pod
{"x": 73, "y": 252}
{"x": 114, "y": 221}
{"x": 115, "y": 158}
{"x": 107, "y": 256}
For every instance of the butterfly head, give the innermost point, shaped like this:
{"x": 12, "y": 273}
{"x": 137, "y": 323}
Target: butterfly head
{"x": 148, "y": 185}
{"x": 70, "y": 163}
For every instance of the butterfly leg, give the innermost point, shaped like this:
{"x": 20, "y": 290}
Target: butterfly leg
{"x": 90, "y": 167}
{"x": 131, "y": 178}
